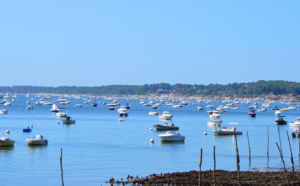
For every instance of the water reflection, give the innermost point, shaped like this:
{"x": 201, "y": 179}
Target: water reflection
{"x": 37, "y": 149}
{"x": 4, "y": 149}
{"x": 171, "y": 144}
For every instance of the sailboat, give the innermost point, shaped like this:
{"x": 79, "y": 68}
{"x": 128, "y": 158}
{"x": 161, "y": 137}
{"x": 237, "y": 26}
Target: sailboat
{"x": 54, "y": 108}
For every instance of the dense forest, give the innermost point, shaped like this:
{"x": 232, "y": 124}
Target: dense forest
{"x": 233, "y": 89}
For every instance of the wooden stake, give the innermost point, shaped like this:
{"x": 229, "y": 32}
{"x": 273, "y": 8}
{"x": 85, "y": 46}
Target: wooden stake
{"x": 268, "y": 146}
{"x": 237, "y": 158}
{"x": 280, "y": 141}
{"x": 200, "y": 167}
{"x": 249, "y": 150}
{"x": 292, "y": 160}
{"x": 215, "y": 182}
{"x": 287, "y": 181}
{"x": 62, "y": 174}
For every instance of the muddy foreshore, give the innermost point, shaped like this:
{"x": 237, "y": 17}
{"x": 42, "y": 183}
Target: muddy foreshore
{"x": 222, "y": 178}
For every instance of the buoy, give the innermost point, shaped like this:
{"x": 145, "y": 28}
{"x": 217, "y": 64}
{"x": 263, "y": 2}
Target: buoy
{"x": 151, "y": 129}
{"x": 205, "y": 133}
{"x": 57, "y": 122}
{"x": 193, "y": 110}
{"x": 151, "y": 140}
{"x": 7, "y": 131}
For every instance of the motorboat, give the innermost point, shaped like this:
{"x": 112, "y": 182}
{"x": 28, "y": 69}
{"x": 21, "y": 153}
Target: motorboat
{"x": 68, "y": 120}
{"x": 94, "y": 104}
{"x": 54, "y": 108}
{"x": 27, "y": 130}
{"x": 165, "y": 126}
{"x": 171, "y": 136}
{"x": 111, "y": 108}
{"x": 227, "y": 131}
{"x": 8, "y": 103}
{"x": 200, "y": 108}
{"x": 280, "y": 121}
{"x": 296, "y": 123}
{"x": 277, "y": 113}
{"x": 296, "y": 133}
{"x": 3, "y": 111}
{"x": 38, "y": 140}
{"x": 215, "y": 122}
{"x": 251, "y": 113}
{"x": 6, "y": 142}
{"x": 37, "y": 103}
{"x": 123, "y": 113}
{"x": 215, "y": 114}
{"x": 61, "y": 114}
{"x": 153, "y": 113}
{"x": 284, "y": 109}
{"x": 122, "y": 109}
{"x": 154, "y": 106}
{"x": 262, "y": 110}
{"x": 29, "y": 107}
{"x": 78, "y": 105}
{"x": 165, "y": 116}
{"x": 176, "y": 106}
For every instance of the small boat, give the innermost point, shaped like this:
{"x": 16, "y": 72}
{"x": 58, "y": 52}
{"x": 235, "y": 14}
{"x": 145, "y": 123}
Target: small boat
{"x": 29, "y": 107}
{"x": 154, "y": 107}
{"x": 54, "y": 108}
{"x": 284, "y": 109}
{"x": 3, "y": 111}
{"x": 296, "y": 123}
{"x": 251, "y": 113}
{"x": 165, "y": 116}
{"x": 262, "y": 110}
{"x": 277, "y": 113}
{"x": 94, "y": 104}
{"x": 165, "y": 126}
{"x": 7, "y": 103}
{"x": 68, "y": 120}
{"x": 200, "y": 108}
{"x": 112, "y": 108}
{"x": 296, "y": 133}
{"x": 61, "y": 114}
{"x": 27, "y": 130}
{"x": 171, "y": 136}
{"x": 227, "y": 131}
{"x": 280, "y": 121}
{"x": 123, "y": 113}
{"x": 38, "y": 140}
{"x": 6, "y": 142}
{"x": 153, "y": 113}
{"x": 78, "y": 105}
{"x": 214, "y": 122}
{"x": 215, "y": 114}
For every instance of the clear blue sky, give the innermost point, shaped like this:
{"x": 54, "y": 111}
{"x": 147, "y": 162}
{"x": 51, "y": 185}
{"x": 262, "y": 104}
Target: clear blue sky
{"x": 134, "y": 42}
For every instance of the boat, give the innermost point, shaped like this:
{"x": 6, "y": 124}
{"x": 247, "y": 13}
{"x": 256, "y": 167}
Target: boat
{"x": 171, "y": 136}
{"x": 262, "y": 110}
{"x": 94, "y": 104}
{"x": 296, "y": 123}
{"x": 296, "y": 133}
{"x": 251, "y": 113}
{"x": 200, "y": 108}
{"x": 7, "y": 103}
{"x": 27, "y": 130}
{"x": 6, "y": 142}
{"x": 153, "y": 113}
{"x": 214, "y": 122}
{"x": 68, "y": 120}
{"x": 154, "y": 107}
{"x": 165, "y": 126}
{"x": 38, "y": 140}
{"x": 277, "y": 113}
{"x": 54, "y": 108}
{"x": 3, "y": 111}
{"x": 111, "y": 108}
{"x": 123, "y": 113}
{"x": 215, "y": 114}
{"x": 227, "y": 131}
{"x": 280, "y": 121}
{"x": 176, "y": 106}
{"x": 61, "y": 114}
{"x": 284, "y": 109}
{"x": 165, "y": 116}
{"x": 29, "y": 107}
{"x": 78, "y": 105}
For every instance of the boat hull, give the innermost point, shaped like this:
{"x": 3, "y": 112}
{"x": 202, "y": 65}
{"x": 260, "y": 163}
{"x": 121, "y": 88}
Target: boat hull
{"x": 36, "y": 142}
{"x": 165, "y": 127}
{"x": 7, "y": 143}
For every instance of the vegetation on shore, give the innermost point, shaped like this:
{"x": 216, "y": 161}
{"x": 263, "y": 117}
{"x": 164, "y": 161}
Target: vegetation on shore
{"x": 240, "y": 90}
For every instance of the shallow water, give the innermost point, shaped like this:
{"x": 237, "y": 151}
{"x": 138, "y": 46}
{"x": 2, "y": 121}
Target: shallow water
{"x": 99, "y": 147}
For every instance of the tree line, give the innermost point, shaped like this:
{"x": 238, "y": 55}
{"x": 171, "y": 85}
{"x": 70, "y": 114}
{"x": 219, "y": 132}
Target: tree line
{"x": 249, "y": 89}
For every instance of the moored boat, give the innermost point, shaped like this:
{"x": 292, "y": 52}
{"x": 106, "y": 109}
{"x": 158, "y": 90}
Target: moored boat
{"x": 68, "y": 120}
{"x": 227, "y": 131}
{"x": 38, "y": 140}
{"x": 165, "y": 126}
{"x": 171, "y": 136}
{"x": 6, "y": 142}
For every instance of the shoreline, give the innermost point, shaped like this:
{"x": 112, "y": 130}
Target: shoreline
{"x": 222, "y": 178}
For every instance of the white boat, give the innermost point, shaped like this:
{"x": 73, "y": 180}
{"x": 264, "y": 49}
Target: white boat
{"x": 277, "y": 113}
{"x": 37, "y": 103}
{"x": 47, "y": 103}
{"x": 7, "y": 103}
{"x": 165, "y": 116}
{"x": 165, "y": 126}
{"x": 296, "y": 123}
{"x": 61, "y": 114}
{"x": 3, "y": 111}
{"x": 29, "y": 107}
{"x": 215, "y": 114}
{"x": 214, "y": 122}
{"x": 153, "y": 113}
{"x": 171, "y": 136}
{"x": 122, "y": 109}
{"x": 227, "y": 131}
{"x": 54, "y": 108}
{"x": 68, "y": 120}
{"x": 6, "y": 142}
{"x": 38, "y": 140}
{"x": 176, "y": 106}
{"x": 200, "y": 108}
{"x": 262, "y": 110}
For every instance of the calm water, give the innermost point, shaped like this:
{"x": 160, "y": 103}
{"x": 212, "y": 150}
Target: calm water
{"x": 99, "y": 147}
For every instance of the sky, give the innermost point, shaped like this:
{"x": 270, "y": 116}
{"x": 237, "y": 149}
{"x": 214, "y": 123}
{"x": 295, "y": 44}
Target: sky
{"x": 137, "y": 42}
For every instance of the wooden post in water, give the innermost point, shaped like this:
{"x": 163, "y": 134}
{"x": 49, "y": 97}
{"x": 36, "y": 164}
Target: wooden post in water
{"x": 237, "y": 158}
{"x": 287, "y": 181}
{"x": 268, "y": 146}
{"x": 200, "y": 167}
{"x": 215, "y": 181}
{"x": 249, "y": 150}
{"x": 292, "y": 159}
{"x": 280, "y": 142}
{"x": 62, "y": 174}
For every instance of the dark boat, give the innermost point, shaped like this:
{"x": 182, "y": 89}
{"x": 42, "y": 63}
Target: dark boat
{"x": 27, "y": 130}
{"x": 123, "y": 114}
{"x": 68, "y": 120}
{"x": 112, "y": 108}
{"x": 280, "y": 121}
{"x": 296, "y": 133}
{"x": 127, "y": 106}
{"x": 154, "y": 107}
{"x": 251, "y": 113}
{"x": 94, "y": 104}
